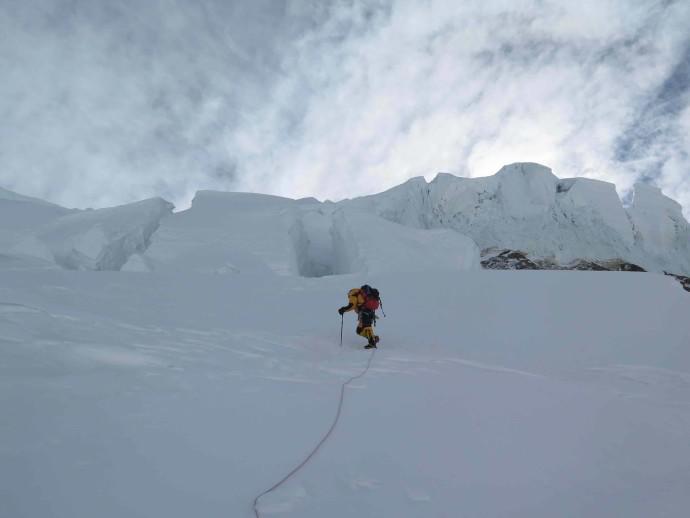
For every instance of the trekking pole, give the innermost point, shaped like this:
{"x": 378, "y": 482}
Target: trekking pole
{"x": 382, "y": 311}
{"x": 342, "y": 319}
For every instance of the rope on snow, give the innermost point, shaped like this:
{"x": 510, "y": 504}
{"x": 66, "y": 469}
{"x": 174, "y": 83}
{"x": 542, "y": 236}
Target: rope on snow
{"x": 321, "y": 442}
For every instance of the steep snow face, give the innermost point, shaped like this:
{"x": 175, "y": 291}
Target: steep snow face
{"x": 348, "y": 241}
{"x": 228, "y": 233}
{"x": 101, "y": 239}
{"x": 406, "y": 204}
{"x": 661, "y": 231}
{"x": 315, "y": 251}
{"x": 590, "y": 222}
{"x": 224, "y": 233}
{"x": 525, "y": 207}
{"x": 594, "y": 203}
{"x": 376, "y": 246}
{"x": 525, "y": 191}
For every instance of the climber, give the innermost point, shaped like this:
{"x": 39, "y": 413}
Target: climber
{"x": 365, "y": 301}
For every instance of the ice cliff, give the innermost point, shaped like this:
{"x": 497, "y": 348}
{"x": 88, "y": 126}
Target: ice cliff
{"x": 526, "y": 207}
{"x": 226, "y": 233}
{"x": 416, "y": 226}
{"x": 102, "y": 239}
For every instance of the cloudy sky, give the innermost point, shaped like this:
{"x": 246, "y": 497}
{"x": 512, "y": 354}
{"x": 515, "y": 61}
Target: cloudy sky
{"x": 105, "y": 102}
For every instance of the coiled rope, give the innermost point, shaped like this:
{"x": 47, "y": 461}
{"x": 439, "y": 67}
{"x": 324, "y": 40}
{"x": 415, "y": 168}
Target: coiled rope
{"x": 321, "y": 442}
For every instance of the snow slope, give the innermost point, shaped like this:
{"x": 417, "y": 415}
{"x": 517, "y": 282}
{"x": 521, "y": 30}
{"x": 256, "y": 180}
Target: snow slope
{"x": 177, "y": 387}
{"x": 526, "y": 207}
{"x": 493, "y": 394}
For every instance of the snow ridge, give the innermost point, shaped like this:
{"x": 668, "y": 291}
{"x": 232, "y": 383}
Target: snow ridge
{"x": 526, "y": 207}
{"x": 230, "y": 233}
{"x": 416, "y": 226}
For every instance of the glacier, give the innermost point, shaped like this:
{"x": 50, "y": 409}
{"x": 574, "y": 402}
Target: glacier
{"x": 229, "y": 233}
{"x": 446, "y": 223}
{"x": 526, "y": 207}
{"x": 100, "y": 239}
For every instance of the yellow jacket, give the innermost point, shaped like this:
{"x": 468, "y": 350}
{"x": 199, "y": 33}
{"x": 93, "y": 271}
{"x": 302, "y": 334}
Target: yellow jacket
{"x": 355, "y": 299}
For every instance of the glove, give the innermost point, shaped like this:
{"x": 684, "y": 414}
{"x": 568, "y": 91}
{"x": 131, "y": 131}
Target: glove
{"x": 342, "y": 310}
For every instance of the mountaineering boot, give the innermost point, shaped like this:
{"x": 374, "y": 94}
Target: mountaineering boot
{"x": 372, "y": 343}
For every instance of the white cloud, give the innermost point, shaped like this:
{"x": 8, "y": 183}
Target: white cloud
{"x": 467, "y": 87}
{"x": 105, "y": 105}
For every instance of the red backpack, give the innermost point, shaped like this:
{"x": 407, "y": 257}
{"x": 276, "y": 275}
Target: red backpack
{"x": 371, "y": 297}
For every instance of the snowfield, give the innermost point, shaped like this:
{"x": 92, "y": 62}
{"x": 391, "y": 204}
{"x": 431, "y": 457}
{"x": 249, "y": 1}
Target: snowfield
{"x": 534, "y": 394}
{"x": 160, "y": 364}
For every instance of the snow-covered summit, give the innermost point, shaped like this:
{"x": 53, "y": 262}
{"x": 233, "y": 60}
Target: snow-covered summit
{"x": 526, "y": 207}
{"x": 525, "y": 190}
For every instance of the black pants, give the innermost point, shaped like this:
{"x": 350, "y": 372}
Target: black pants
{"x": 366, "y": 317}
{"x": 366, "y": 320}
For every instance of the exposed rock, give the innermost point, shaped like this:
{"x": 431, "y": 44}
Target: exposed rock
{"x": 509, "y": 260}
{"x": 622, "y": 266}
{"x": 682, "y": 279}
{"x": 586, "y": 266}
{"x": 498, "y": 259}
